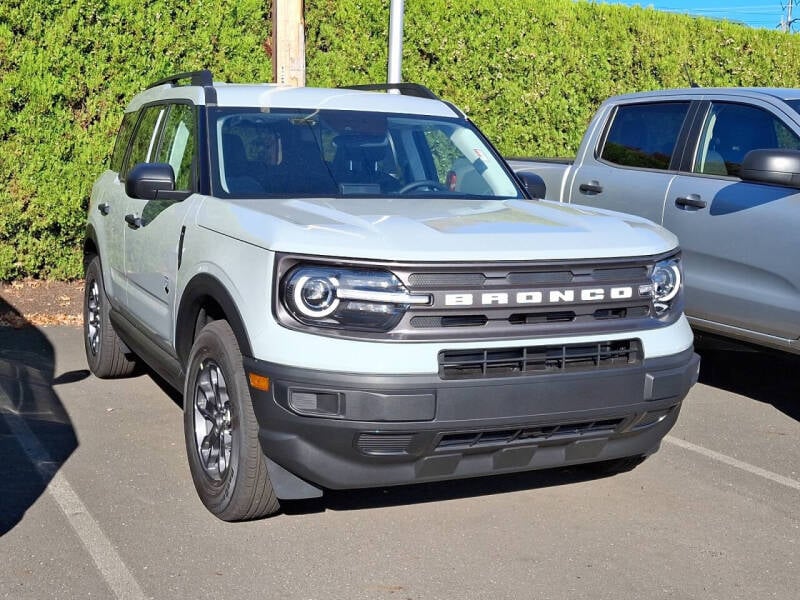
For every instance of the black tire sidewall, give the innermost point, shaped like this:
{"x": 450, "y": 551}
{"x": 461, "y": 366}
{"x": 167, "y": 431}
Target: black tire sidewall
{"x": 214, "y": 343}
{"x": 94, "y": 274}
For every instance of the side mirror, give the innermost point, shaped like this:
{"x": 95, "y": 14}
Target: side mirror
{"x": 773, "y": 166}
{"x": 148, "y": 181}
{"x": 532, "y": 183}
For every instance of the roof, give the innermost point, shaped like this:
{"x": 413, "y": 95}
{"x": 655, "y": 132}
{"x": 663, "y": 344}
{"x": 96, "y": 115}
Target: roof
{"x": 763, "y": 92}
{"x": 305, "y": 98}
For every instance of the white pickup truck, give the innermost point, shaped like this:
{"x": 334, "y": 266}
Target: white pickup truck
{"x": 351, "y": 289}
{"x": 720, "y": 168}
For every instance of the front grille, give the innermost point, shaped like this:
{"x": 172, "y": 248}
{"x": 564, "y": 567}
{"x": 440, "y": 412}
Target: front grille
{"x": 508, "y": 300}
{"x": 535, "y": 435}
{"x": 509, "y": 362}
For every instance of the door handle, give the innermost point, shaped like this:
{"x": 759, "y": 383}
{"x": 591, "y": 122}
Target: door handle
{"x": 593, "y": 187}
{"x": 103, "y": 208}
{"x": 690, "y": 201}
{"x": 133, "y": 221}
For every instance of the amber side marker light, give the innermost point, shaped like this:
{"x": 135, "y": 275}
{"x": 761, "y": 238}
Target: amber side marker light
{"x": 259, "y": 382}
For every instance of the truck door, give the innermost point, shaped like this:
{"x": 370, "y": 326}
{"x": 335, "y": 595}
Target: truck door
{"x": 739, "y": 239}
{"x": 631, "y": 167}
{"x": 153, "y": 236}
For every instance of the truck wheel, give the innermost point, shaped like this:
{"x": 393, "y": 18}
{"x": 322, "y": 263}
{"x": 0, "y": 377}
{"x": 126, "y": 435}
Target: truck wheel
{"x": 225, "y": 458}
{"x": 105, "y": 352}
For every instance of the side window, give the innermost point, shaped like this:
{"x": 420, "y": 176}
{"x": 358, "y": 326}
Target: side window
{"x": 178, "y": 144}
{"x": 144, "y": 139}
{"x": 644, "y": 135}
{"x": 731, "y": 130}
{"x": 123, "y": 137}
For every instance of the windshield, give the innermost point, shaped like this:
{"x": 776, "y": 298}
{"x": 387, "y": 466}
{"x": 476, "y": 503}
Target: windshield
{"x": 262, "y": 153}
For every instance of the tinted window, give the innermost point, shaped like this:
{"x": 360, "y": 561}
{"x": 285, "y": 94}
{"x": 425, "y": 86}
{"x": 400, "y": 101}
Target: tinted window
{"x": 143, "y": 144}
{"x": 731, "y": 130}
{"x": 123, "y": 137}
{"x": 178, "y": 143}
{"x": 644, "y": 135}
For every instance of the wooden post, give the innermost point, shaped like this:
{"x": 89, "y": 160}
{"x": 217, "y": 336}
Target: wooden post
{"x": 288, "y": 43}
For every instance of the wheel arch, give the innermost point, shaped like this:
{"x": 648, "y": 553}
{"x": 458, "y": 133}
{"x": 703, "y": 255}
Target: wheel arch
{"x": 90, "y": 246}
{"x": 206, "y": 299}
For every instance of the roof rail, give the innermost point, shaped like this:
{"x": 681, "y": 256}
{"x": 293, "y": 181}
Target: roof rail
{"x": 203, "y": 78}
{"x": 406, "y": 89}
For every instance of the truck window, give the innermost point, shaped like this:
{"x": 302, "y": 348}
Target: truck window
{"x": 644, "y": 135}
{"x": 731, "y": 130}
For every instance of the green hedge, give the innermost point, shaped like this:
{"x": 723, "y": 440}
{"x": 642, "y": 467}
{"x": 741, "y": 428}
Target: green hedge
{"x": 529, "y": 72}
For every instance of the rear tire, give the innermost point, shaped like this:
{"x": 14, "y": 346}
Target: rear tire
{"x": 106, "y": 354}
{"x": 225, "y": 458}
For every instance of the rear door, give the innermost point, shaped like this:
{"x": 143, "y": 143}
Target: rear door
{"x": 635, "y": 161}
{"x": 153, "y": 243}
{"x": 739, "y": 239}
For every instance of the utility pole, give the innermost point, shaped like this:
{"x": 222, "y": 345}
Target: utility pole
{"x": 788, "y": 21}
{"x": 288, "y": 43}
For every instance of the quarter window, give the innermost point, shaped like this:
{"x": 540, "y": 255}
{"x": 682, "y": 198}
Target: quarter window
{"x": 644, "y": 135}
{"x": 731, "y": 131}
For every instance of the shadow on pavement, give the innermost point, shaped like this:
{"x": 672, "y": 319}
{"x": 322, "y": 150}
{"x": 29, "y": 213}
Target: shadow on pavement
{"x": 36, "y": 434}
{"x": 342, "y": 500}
{"x": 768, "y": 377}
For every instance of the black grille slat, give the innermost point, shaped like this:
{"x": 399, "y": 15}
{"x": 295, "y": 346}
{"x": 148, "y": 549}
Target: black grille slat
{"x": 384, "y": 443}
{"x": 536, "y": 434}
{"x": 507, "y": 362}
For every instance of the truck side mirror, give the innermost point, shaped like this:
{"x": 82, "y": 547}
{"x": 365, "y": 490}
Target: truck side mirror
{"x": 532, "y": 183}
{"x": 148, "y": 181}
{"x": 774, "y": 166}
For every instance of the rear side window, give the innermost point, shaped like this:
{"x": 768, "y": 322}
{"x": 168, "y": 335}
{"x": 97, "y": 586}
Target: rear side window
{"x": 144, "y": 139}
{"x": 644, "y": 135}
{"x": 123, "y": 137}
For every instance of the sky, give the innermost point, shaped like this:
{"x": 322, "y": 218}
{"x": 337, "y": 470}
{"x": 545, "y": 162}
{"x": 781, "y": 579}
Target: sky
{"x": 755, "y": 13}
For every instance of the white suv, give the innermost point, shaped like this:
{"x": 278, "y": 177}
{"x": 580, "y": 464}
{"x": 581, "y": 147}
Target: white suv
{"x": 352, "y": 289}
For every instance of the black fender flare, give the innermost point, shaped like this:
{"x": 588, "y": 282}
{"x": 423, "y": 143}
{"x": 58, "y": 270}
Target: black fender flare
{"x": 203, "y": 286}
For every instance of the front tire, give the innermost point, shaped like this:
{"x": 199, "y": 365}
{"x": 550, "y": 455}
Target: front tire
{"x": 106, "y": 354}
{"x": 228, "y": 467}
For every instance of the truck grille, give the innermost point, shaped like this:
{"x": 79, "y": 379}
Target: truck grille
{"x": 509, "y": 362}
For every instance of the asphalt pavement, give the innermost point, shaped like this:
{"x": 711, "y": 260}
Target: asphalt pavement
{"x": 96, "y": 501}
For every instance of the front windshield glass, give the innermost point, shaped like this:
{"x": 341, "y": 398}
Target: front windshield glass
{"x": 327, "y": 153}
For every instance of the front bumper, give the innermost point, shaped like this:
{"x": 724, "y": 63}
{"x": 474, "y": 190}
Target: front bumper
{"x": 377, "y": 430}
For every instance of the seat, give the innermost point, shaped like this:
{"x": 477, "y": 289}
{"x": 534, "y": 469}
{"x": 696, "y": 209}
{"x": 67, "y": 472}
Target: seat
{"x": 236, "y": 167}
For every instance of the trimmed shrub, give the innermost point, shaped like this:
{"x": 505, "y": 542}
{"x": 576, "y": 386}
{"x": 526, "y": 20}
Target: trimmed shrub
{"x": 530, "y": 73}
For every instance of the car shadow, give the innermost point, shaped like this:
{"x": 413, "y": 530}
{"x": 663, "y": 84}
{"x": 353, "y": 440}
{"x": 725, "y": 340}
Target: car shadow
{"x": 764, "y": 376}
{"x": 420, "y": 493}
{"x": 36, "y": 433}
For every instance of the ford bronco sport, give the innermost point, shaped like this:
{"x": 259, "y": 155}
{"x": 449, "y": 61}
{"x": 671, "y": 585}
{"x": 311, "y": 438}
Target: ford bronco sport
{"x": 351, "y": 289}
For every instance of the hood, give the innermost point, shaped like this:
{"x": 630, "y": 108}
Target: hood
{"x": 432, "y": 230}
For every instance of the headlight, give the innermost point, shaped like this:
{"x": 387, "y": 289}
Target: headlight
{"x": 667, "y": 279}
{"x": 331, "y": 296}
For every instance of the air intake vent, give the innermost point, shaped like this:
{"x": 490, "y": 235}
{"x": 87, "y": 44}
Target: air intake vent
{"x": 564, "y": 433}
{"x": 509, "y": 362}
{"x": 383, "y": 444}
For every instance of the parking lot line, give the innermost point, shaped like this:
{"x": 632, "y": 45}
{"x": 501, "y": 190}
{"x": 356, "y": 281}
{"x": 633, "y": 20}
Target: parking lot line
{"x": 728, "y": 460}
{"x": 113, "y": 570}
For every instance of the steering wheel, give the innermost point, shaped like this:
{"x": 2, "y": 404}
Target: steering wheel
{"x": 428, "y": 183}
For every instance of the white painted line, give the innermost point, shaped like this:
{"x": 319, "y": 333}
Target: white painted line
{"x": 728, "y": 460}
{"x": 114, "y": 572}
